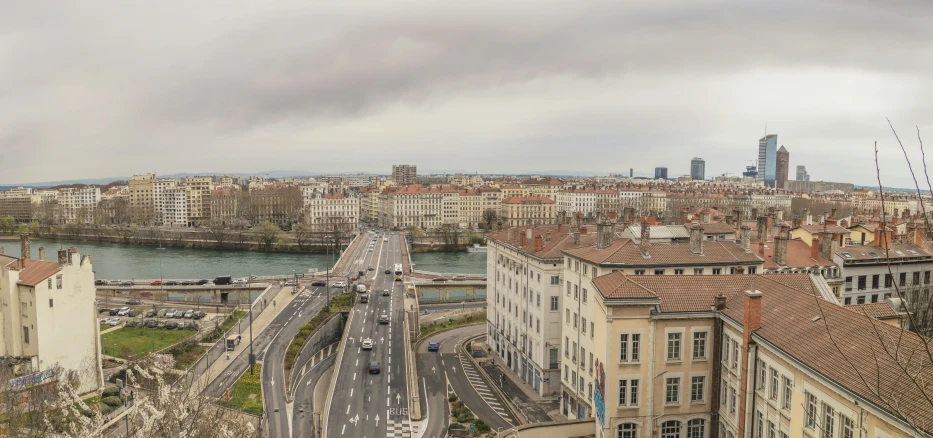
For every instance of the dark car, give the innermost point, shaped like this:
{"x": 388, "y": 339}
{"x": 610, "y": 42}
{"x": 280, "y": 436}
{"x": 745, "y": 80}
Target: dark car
{"x": 171, "y": 283}
{"x": 100, "y": 282}
{"x": 433, "y": 346}
{"x": 198, "y": 315}
{"x": 133, "y": 302}
{"x": 370, "y": 268}
{"x": 385, "y": 293}
{"x": 374, "y": 368}
{"x": 203, "y": 282}
{"x": 388, "y": 271}
{"x": 102, "y": 310}
{"x": 126, "y": 283}
{"x": 361, "y": 273}
{"x": 187, "y": 283}
{"x": 318, "y": 283}
{"x": 113, "y": 312}
{"x": 441, "y": 279}
{"x": 364, "y": 298}
{"x": 152, "y": 323}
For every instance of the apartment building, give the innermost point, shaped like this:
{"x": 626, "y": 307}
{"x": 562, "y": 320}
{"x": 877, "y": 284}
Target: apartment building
{"x": 865, "y": 269}
{"x": 175, "y": 207}
{"x": 159, "y": 186}
{"x": 542, "y": 187}
{"x": 323, "y": 210}
{"x": 528, "y": 210}
{"x": 589, "y": 202}
{"x": 524, "y": 301}
{"x": 357, "y": 180}
{"x": 404, "y": 174}
{"x": 49, "y": 317}
{"x": 276, "y": 203}
{"x": 583, "y": 264}
{"x": 420, "y": 206}
{"x": 653, "y": 202}
{"x": 20, "y": 203}
{"x": 78, "y": 204}
{"x": 224, "y": 203}
{"x": 739, "y": 356}
{"x": 141, "y": 198}
{"x": 470, "y": 208}
{"x": 199, "y": 199}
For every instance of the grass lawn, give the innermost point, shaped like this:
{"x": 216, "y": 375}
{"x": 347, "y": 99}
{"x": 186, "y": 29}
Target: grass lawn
{"x": 133, "y": 341}
{"x": 105, "y": 327}
{"x": 241, "y": 391}
{"x": 185, "y": 353}
{"x": 226, "y": 325}
{"x": 427, "y": 329}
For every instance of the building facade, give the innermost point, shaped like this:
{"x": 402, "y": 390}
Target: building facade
{"x": 324, "y": 210}
{"x": 802, "y": 174}
{"x": 660, "y": 173}
{"x": 174, "y": 205}
{"x": 528, "y": 210}
{"x": 698, "y": 169}
{"x": 404, "y": 174}
{"x": 782, "y": 167}
{"x": 767, "y": 160}
{"x": 141, "y": 198}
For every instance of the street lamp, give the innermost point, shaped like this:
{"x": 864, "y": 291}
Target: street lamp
{"x": 252, "y": 361}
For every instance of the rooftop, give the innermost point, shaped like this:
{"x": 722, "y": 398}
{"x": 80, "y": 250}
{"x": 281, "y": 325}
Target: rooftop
{"x": 626, "y": 252}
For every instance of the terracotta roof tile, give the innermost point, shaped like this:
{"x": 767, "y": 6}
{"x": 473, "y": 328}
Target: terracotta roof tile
{"x": 798, "y": 256}
{"x": 35, "y": 271}
{"x": 625, "y": 252}
{"x": 552, "y": 249}
{"x": 876, "y": 310}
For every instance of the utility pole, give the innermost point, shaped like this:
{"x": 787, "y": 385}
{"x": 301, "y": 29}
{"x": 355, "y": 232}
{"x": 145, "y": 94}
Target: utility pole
{"x": 252, "y": 360}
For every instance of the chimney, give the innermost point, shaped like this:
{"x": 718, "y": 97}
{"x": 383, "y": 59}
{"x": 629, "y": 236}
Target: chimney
{"x": 833, "y": 213}
{"x": 560, "y": 227}
{"x": 761, "y": 248}
{"x": 751, "y": 322}
{"x": 547, "y": 236}
{"x": 919, "y": 235}
{"x": 522, "y": 239}
{"x": 539, "y": 244}
{"x": 815, "y": 248}
{"x": 755, "y": 212}
{"x": 583, "y": 230}
{"x": 874, "y": 214}
{"x": 770, "y": 229}
{"x": 877, "y": 240}
{"x": 62, "y": 257}
{"x": 42, "y": 253}
{"x": 779, "y": 215}
{"x": 744, "y": 237}
{"x": 887, "y": 238}
{"x": 645, "y": 236}
{"x": 603, "y": 235}
{"x": 705, "y": 217}
{"x": 696, "y": 239}
{"x": 25, "y": 253}
{"x": 720, "y": 302}
{"x": 762, "y": 229}
{"x": 528, "y": 233}
{"x": 780, "y": 248}
{"x": 612, "y": 216}
{"x": 576, "y": 238}
{"x": 826, "y": 246}
{"x": 71, "y": 252}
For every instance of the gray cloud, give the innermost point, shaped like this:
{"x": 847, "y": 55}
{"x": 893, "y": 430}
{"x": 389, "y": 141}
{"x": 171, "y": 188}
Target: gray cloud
{"x": 128, "y": 87}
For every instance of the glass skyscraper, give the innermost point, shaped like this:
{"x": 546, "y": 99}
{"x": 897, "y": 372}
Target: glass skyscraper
{"x": 767, "y": 160}
{"x": 697, "y": 169}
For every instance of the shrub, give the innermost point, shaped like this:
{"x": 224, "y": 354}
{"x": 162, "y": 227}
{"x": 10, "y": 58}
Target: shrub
{"x": 111, "y": 391}
{"x": 112, "y": 401}
{"x": 452, "y": 398}
{"x": 481, "y": 426}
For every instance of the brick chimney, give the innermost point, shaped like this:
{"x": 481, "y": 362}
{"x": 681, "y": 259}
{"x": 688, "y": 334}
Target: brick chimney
{"x": 539, "y": 243}
{"x": 780, "y": 248}
{"x": 62, "y": 257}
{"x": 71, "y": 253}
{"x": 25, "y": 253}
{"x": 521, "y": 239}
{"x": 576, "y": 237}
{"x": 603, "y": 235}
{"x": 919, "y": 234}
{"x": 815, "y": 248}
{"x": 560, "y": 227}
{"x": 720, "y": 302}
{"x": 744, "y": 237}
{"x": 696, "y": 239}
{"x": 583, "y": 230}
{"x": 833, "y": 213}
{"x": 645, "y": 236}
{"x": 762, "y": 229}
{"x": 750, "y": 323}
{"x": 42, "y": 253}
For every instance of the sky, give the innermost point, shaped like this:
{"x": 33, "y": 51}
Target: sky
{"x": 93, "y": 89}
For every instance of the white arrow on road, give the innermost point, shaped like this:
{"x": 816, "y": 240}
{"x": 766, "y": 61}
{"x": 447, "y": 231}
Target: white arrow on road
{"x": 354, "y": 420}
{"x": 455, "y": 368}
{"x": 432, "y": 369}
{"x": 383, "y": 340}
{"x": 398, "y": 398}
{"x": 377, "y": 419}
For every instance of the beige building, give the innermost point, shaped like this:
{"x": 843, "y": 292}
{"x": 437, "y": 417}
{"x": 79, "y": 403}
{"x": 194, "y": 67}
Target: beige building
{"x": 224, "y": 207}
{"x": 404, "y": 174}
{"x": 141, "y": 198}
{"x": 528, "y": 210}
{"x": 20, "y": 203}
{"x": 323, "y": 210}
{"x": 589, "y": 202}
{"x": 740, "y": 356}
{"x": 49, "y": 317}
{"x": 198, "y": 200}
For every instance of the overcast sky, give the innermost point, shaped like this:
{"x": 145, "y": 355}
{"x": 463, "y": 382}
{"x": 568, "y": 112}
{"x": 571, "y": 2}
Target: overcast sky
{"x": 94, "y": 89}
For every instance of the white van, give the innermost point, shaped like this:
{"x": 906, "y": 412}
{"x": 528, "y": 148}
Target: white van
{"x": 361, "y": 288}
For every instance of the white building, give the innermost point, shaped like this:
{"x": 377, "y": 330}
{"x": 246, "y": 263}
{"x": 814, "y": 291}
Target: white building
{"x": 78, "y": 204}
{"x": 159, "y": 187}
{"x": 49, "y": 317}
{"x": 588, "y": 202}
{"x": 175, "y": 207}
{"x": 324, "y": 208}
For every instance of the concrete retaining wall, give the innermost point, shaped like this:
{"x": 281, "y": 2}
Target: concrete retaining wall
{"x": 327, "y": 333}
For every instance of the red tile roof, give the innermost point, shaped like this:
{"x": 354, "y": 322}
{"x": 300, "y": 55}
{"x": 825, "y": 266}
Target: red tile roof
{"x": 876, "y": 310}
{"x": 625, "y": 252}
{"x": 34, "y": 271}
{"x": 798, "y": 256}
{"x": 552, "y": 249}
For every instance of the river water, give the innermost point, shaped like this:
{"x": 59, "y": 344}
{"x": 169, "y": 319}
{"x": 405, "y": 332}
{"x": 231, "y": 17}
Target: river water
{"x": 123, "y": 262}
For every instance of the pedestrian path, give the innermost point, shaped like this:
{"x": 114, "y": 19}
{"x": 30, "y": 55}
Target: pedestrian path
{"x": 398, "y": 429}
{"x": 482, "y": 388}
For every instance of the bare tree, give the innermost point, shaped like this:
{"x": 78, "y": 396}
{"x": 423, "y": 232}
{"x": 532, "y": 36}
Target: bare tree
{"x": 302, "y": 234}
{"x": 219, "y": 234}
{"x": 267, "y": 234}
{"x": 490, "y": 217}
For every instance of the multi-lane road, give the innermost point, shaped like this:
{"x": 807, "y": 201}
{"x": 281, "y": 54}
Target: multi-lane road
{"x": 363, "y": 404}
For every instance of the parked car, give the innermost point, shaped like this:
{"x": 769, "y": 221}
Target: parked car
{"x": 203, "y": 282}
{"x": 433, "y": 346}
{"x": 459, "y": 278}
{"x": 383, "y": 319}
{"x": 170, "y": 313}
{"x": 133, "y": 302}
{"x": 339, "y": 284}
{"x": 318, "y": 283}
{"x": 152, "y": 323}
{"x": 171, "y": 283}
{"x": 126, "y": 283}
{"x": 367, "y": 344}
{"x": 189, "y": 314}
{"x": 385, "y": 292}
{"x": 179, "y": 314}
{"x": 171, "y": 325}
{"x": 161, "y": 324}
{"x": 223, "y": 280}
{"x": 197, "y": 315}
{"x": 439, "y": 279}
{"x": 123, "y": 311}
{"x": 291, "y": 283}
{"x": 132, "y": 313}
{"x": 161, "y": 313}
{"x": 102, "y": 310}
{"x": 156, "y": 283}
{"x": 374, "y": 368}
{"x": 100, "y": 282}
{"x": 151, "y": 313}
{"x": 113, "y": 322}
{"x": 187, "y": 283}
{"x": 370, "y": 248}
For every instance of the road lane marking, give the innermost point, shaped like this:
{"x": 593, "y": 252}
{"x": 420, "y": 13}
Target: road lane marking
{"x": 354, "y": 376}
{"x": 348, "y": 409}
{"x": 351, "y": 392}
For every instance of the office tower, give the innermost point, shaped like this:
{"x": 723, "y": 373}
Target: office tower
{"x": 660, "y": 173}
{"x": 767, "y": 159}
{"x": 802, "y": 174}
{"x": 404, "y": 174}
{"x": 697, "y": 168}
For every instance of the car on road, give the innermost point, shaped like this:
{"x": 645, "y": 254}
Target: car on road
{"x": 374, "y": 368}
{"x": 126, "y": 283}
{"x": 385, "y": 239}
{"x": 371, "y": 268}
{"x": 133, "y": 302}
{"x": 100, "y": 282}
{"x": 123, "y": 311}
{"x": 433, "y": 346}
{"x": 364, "y": 298}
{"x": 439, "y": 279}
{"x": 290, "y": 283}
{"x": 388, "y": 271}
{"x": 459, "y": 278}
{"x": 383, "y": 319}
{"x": 156, "y": 283}
{"x": 239, "y": 281}
{"x": 113, "y": 322}
{"x": 170, "y": 313}
{"x": 385, "y": 292}
{"x": 339, "y": 284}
{"x": 170, "y": 283}
{"x": 318, "y": 283}
{"x": 354, "y": 278}
{"x": 370, "y": 248}
{"x": 367, "y": 344}
{"x": 203, "y": 282}
{"x": 187, "y": 283}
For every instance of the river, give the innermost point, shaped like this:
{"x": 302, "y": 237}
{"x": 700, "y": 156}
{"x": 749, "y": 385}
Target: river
{"x": 114, "y": 261}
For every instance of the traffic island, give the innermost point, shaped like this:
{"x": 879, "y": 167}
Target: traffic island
{"x": 246, "y": 394}
{"x": 463, "y": 422}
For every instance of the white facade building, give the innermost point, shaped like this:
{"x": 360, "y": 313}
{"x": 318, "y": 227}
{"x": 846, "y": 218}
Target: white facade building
{"x": 159, "y": 187}
{"x": 175, "y": 207}
{"x": 322, "y": 208}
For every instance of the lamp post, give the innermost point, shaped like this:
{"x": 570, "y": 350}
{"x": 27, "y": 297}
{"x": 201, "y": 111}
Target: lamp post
{"x": 252, "y": 362}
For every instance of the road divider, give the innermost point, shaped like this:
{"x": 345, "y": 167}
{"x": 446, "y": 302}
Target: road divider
{"x": 333, "y": 378}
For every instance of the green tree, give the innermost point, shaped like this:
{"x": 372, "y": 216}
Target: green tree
{"x": 267, "y": 233}
{"x": 7, "y": 224}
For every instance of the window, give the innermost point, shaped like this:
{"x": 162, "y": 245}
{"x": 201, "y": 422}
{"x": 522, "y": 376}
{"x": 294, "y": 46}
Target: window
{"x": 848, "y": 427}
{"x": 725, "y": 349}
{"x": 678, "y": 272}
{"x": 697, "y": 271}
{"x": 788, "y": 392}
{"x": 860, "y": 300}
{"x": 50, "y": 283}
{"x": 670, "y": 429}
{"x": 861, "y": 282}
{"x": 733, "y": 400}
{"x": 699, "y": 345}
{"x": 848, "y": 284}
{"x": 829, "y": 418}
{"x": 58, "y": 281}
{"x": 760, "y": 425}
{"x": 926, "y": 277}
{"x": 903, "y": 279}
{"x": 553, "y": 304}
{"x": 697, "y": 388}
{"x": 553, "y": 359}
{"x": 583, "y": 325}
{"x": 762, "y": 374}
{"x": 775, "y": 377}
{"x": 672, "y": 390}
{"x": 639, "y": 272}
{"x": 875, "y": 281}
{"x": 567, "y": 316}
{"x": 752, "y": 269}
{"x": 915, "y": 278}
{"x": 576, "y": 292}
{"x": 591, "y": 363}
{"x": 810, "y": 420}
{"x": 25, "y": 334}
{"x": 716, "y": 271}
{"x": 696, "y": 428}
{"x": 592, "y": 330}
{"x": 538, "y": 325}
{"x": 673, "y": 346}
{"x": 735, "y": 355}
{"x": 623, "y": 347}
{"x": 848, "y": 300}
{"x": 566, "y": 346}
{"x": 584, "y": 295}
{"x": 566, "y": 372}
{"x": 771, "y": 430}
{"x": 633, "y": 392}
{"x": 575, "y": 320}
{"x": 888, "y": 281}
{"x": 50, "y": 303}
{"x": 658, "y": 272}
{"x": 623, "y": 392}
{"x": 555, "y": 279}
{"x": 724, "y": 398}
{"x": 568, "y": 288}
{"x": 538, "y": 301}
{"x": 627, "y": 430}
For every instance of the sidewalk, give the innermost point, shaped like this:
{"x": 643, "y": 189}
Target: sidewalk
{"x": 535, "y": 408}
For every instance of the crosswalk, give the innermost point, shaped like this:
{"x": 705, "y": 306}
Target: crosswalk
{"x": 482, "y": 388}
{"x": 398, "y": 429}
